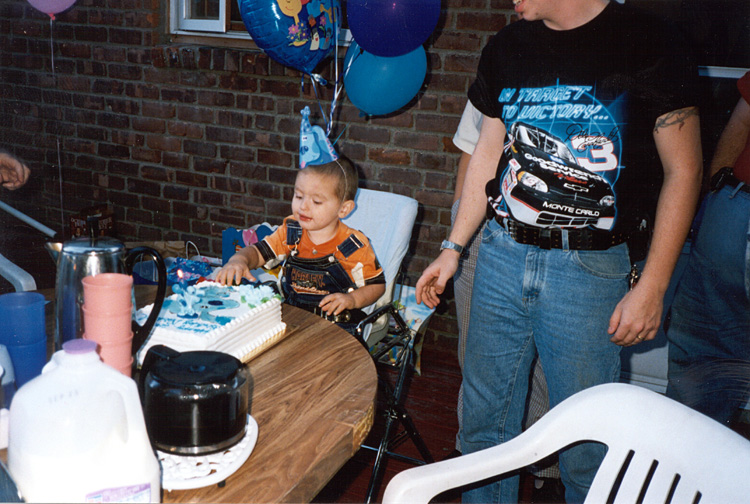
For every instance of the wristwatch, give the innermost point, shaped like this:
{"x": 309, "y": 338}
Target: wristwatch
{"x": 451, "y": 246}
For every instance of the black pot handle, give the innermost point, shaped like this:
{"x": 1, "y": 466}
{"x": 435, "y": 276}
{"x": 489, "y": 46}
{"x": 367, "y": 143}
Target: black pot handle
{"x": 140, "y": 333}
{"x": 156, "y": 353}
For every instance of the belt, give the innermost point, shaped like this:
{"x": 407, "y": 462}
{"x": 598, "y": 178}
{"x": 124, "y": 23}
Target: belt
{"x": 552, "y": 238}
{"x": 724, "y": 177}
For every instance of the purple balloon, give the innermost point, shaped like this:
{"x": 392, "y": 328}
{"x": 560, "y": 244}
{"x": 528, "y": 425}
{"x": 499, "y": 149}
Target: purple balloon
{"x": 391, "y": 27}
{"x": 51, "y": 6}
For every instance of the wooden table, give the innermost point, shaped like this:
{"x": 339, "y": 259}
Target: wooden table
{"x": 313, "y": 396}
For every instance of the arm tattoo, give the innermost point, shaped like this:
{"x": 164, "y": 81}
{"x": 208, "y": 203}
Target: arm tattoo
{"x": 675, "y": 117}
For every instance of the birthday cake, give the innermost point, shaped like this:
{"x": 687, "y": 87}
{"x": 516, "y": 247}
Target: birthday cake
{"x": 239, "y": 320}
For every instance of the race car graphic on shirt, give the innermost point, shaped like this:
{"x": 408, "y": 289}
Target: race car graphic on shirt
{"x": 544, "y": 185}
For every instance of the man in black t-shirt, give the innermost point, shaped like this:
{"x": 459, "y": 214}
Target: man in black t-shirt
{"x": 581, "y": 100}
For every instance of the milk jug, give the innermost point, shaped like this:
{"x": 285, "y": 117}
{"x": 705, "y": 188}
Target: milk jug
{"x": 77, "y": 434}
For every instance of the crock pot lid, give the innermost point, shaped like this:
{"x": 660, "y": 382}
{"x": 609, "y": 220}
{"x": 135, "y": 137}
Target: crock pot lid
{"x": 197, "y": 368}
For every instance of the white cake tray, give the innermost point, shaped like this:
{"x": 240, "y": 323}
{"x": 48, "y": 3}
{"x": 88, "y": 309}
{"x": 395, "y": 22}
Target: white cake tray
{"x": 182, "y": 472}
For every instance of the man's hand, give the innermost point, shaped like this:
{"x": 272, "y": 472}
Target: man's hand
{"x": 432, "y": 282}
{"x": 637, "y": 316}
{"x": 13, "y": 173}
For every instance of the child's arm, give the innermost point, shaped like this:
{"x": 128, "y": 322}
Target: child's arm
{"x": 239, "y": 265}
{"x": 333, "y": 304}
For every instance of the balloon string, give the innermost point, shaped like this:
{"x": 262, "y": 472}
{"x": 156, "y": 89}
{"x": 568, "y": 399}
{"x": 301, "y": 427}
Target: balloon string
{"x": 316, "y": 79}
{"x": 59, "y": 155}
{"x": 336, "y": 81}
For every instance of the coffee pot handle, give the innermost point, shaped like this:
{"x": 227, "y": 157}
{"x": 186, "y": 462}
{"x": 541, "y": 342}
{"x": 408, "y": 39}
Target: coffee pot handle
{"x": 140, "y": 333}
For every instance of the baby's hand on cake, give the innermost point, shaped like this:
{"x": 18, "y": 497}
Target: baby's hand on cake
{"x": 333, "y": 304}
{"x": 233, "y": 272}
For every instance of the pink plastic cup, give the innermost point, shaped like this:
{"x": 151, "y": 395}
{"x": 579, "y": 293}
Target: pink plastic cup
{"x": 126, "y": 369}
{"x": 108, "y": 326}
{"x": 115, "y": 353}
{"x": 107, "y": 292}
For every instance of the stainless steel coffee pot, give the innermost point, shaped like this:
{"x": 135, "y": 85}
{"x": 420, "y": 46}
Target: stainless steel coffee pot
{"x": 79, "y": 258}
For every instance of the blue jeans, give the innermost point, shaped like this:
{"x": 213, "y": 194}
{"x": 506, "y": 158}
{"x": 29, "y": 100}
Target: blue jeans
{"x": 528, "y": 300}
{"x": 709, "y": 330}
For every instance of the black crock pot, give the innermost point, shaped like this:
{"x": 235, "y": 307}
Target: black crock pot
{"x": 193, "y": 402}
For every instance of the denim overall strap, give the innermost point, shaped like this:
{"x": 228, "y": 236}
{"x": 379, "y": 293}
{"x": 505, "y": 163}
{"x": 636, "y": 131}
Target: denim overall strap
{"x": 350, "y": 245}
{"x": 293, "y": 233}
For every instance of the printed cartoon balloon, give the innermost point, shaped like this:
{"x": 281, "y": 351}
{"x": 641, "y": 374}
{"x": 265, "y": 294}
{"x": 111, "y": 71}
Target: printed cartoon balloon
{"x": 378, "y": 85}
{"x": 391, "y": 27}
{"x": 314, "y": 146}
{"x": 295, "y": 33}
{"x": 51, "y": 6}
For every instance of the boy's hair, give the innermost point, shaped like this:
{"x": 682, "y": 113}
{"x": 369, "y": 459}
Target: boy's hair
{"x": 342, "y": 170}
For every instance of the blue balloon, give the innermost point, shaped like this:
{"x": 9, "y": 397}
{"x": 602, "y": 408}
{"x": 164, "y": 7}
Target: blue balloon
{"x": 293, "y": 34}
{"x": 378, "y": 85}
{"x": 391, "y": 27}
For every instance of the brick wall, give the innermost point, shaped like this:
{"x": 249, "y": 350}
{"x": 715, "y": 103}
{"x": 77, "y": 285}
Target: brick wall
{"x": 186, "y": 140}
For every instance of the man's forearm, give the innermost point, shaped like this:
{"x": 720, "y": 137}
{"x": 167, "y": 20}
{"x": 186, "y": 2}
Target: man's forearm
{"x": 679, "y": 148}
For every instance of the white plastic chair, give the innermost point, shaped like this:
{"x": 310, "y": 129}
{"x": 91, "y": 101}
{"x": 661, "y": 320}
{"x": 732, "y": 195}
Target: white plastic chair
{"x": 387, "y": 220}
{"x": 17, "y": 276}
{"x": 658, "y": 451}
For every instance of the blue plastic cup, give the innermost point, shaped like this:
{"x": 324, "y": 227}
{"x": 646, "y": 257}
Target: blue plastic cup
{"x": 28, "y": 360}
{"x": 23, "y": 332}
{"x": 22, "y": 316}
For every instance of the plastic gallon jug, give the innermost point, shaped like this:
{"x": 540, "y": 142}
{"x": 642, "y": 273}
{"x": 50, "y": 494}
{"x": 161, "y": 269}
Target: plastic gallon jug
{"x": 77, "y": 434}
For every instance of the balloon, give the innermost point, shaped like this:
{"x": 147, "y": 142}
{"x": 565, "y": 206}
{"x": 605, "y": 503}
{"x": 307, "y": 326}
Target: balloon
{"x": 377, "y": 85}
{"x": 292, "y": 33}
{"x": 391, "y": 27}
{"x": 51, "y": 6}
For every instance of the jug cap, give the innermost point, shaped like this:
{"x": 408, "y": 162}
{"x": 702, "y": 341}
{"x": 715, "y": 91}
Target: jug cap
{"x": 79, "y": 346}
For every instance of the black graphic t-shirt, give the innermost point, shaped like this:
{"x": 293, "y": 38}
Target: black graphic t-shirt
{"x": 580, "y": 107}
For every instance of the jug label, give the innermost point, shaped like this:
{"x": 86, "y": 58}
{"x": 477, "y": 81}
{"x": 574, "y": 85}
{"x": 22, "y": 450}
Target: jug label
{"x": 133, "y": 493}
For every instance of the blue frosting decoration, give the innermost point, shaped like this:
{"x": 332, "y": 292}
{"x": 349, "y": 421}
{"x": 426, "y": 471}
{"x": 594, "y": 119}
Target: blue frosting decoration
{"x": 314, "y": 146}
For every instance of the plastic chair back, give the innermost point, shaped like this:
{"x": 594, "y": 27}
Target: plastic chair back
{"x": 658, "y": 451}
{"x": 387, "y": 220}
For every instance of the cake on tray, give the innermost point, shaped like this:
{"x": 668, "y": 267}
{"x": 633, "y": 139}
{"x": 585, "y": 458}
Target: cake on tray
{"x": 239, "y": 320}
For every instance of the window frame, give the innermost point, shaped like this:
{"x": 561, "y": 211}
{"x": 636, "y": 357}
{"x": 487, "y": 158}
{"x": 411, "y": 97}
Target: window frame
{"x": 180, "y": 24}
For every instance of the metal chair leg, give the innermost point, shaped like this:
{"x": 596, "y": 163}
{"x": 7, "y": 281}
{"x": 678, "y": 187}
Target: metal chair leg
{"x": 396, "y": 412}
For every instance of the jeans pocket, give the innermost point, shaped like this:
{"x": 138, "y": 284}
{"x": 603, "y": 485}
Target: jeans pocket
{"x": 613, "y": 263}
{"x": 492, "y": 230}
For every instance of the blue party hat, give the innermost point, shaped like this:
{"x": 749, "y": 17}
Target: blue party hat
{"x": 314, "y": 146}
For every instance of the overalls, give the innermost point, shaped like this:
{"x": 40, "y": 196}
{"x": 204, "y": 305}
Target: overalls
{"x": 305, "y": 282}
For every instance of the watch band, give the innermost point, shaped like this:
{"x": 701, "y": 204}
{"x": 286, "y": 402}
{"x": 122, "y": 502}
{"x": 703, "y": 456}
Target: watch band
{"x": 447, "y": 244}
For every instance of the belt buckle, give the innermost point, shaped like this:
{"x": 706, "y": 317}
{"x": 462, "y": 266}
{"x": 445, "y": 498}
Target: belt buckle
{"x": 721, "y": 178}
{"x": 545, "y": 239}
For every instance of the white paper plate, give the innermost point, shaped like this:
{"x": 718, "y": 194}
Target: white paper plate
{"x": 181, "y": 472}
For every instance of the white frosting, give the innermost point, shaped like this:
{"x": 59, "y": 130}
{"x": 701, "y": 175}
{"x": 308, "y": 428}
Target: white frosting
{"x": 234, "y": 320}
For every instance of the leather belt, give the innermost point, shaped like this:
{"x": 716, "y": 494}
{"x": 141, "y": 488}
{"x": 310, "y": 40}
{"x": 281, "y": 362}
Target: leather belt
{"x": 552, "y": 238}
{"x": 725, "y": 177}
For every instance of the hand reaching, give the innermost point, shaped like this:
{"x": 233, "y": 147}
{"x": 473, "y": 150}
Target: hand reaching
{"x": 13, "y": 173}
{"x": 233, "y": 272}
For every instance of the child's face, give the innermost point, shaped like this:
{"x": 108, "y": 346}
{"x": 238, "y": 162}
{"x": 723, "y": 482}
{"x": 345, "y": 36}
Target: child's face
{"x": 315, "y": 204}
